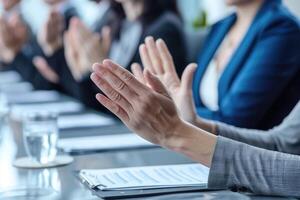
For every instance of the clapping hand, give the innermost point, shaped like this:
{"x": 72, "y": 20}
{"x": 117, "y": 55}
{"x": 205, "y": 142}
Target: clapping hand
{"x": 156, "y": 58}
{"x": 50, "y": 37}
{"x": 150, "y": 112}
{"x": 83, "y": 48}
{"x": 13, "y": 35}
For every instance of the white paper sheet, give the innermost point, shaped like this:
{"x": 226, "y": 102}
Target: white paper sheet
{"x": 18, "y": 111}
{"x": 16, "y": 87}
{"x": 83, "y": 121}
{"x": 101, "y": 143}
{"x": 169, "y": 176}
{"x": 32, "y": 97}
{"x": 9, "y": 77}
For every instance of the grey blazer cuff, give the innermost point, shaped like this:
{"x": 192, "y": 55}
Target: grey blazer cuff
{"x": 220, "y": 171}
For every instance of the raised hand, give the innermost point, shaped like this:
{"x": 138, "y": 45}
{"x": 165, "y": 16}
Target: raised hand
{"x": 150, "y": 112}
{"x": 156, "y": 58}
{"x": 83, "y": 48}
{"x": 13, "y": 35}
{"x": 50, "y": 37}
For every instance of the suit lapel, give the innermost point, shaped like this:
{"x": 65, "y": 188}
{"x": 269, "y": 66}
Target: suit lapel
{"x": 241, "y": 53}
{"x": 209, "y": 50}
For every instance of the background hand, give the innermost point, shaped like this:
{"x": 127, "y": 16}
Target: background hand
{"x": 13, "y": 35}
{"x": 91, "y": 47}
{"x": 51, "y": 36}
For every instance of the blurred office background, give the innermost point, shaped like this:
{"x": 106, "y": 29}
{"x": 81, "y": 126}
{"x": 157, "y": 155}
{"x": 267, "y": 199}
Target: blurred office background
{"x": 196, "y": 13}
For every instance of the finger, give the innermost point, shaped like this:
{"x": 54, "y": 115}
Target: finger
{"x": 112, "y": 94}
{"x": 188, "y": 76}
{"x": 155, "y": 83}
{"x": 116, "y": 83}
{"x": 113, "y": 107}
{"x": 125, "y": 76}
{"x": 146, "y": 58}
{"x": 138, "y": 72}
{"x": 44, "y": 68}
{"x": 154, "y": 55}
{"x": 165, "y": 56}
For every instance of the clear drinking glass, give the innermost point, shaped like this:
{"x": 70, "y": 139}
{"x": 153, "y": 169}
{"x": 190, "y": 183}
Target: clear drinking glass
{"x": 40, "y": 133}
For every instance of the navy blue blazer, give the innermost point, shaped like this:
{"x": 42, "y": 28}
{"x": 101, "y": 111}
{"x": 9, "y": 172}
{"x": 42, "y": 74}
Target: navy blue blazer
{"x": 261, "y": 83}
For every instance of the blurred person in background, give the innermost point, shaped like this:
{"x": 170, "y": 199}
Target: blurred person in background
{"x": 105, "y": 27}
{"x": 83, "y": 47}
{"x": 21, "y": 46}
{"x": 248, "y": 71}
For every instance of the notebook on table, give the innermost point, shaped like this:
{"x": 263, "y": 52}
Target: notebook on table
{"x": 145, "y": 181}
{"x": 32, "y": 97}
{"x": 18, "y": 111}
{"x": 86, "y": 120}
{"x": 103, "y": 143}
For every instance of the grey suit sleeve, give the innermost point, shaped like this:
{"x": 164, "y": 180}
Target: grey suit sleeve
{"x": 284, "y": 138}
{"x": 243, "y": 167}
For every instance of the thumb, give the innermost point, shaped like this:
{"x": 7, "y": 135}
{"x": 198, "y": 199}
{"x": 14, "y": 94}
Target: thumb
{"x": 46, "y": 71}
{"x": 187, "y": 76}
{"x": 155, "y": 83}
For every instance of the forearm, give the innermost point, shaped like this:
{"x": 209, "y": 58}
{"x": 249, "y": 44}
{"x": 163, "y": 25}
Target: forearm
{"x": 193, "y": 142}
{"x": 261, "y": 139}
{"x": 243, "y": 167}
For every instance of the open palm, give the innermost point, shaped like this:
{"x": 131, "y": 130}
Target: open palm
{"x": 156, "y": 58}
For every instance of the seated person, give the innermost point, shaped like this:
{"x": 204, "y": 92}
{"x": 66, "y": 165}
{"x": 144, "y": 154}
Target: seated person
{"x": 150, "y": 112}
{"x": 143, "y": 18}
{"x": 248, "y": 71}
{"x": 19, "y": 53}
{"x": 111, "y": 14}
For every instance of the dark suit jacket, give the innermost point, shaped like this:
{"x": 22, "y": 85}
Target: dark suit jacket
{"x": 261, "y": 84}
{"x": 167, "y": 27}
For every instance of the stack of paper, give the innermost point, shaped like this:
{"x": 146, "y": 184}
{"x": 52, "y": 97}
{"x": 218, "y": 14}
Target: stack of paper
{"x": 83, "y": 121}
{"x": 157, "y": 177}
{"x": 32, "y": 97}
{"x": 18, "y": 111}
{"x": 9, "y": 77}
{"x": 16, "y": 87}
{"x": 103, "y": 143}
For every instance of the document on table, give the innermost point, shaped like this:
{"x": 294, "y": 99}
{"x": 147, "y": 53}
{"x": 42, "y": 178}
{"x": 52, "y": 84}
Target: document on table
{"x": 83, "y": 121}
{"x": 103, "y": 143}
{"x": 10, "y": 88}
{"x": 9, "y": 77}
{"x": 18, "y": 111}
{"x": 154, "y": 177}
{"x": 32, "y": 97}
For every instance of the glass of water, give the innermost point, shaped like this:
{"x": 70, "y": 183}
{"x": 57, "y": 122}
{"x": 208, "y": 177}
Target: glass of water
{"x": 40, "y": 133}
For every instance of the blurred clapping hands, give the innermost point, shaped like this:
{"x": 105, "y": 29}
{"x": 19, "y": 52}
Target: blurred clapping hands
{"x": 83, "y": 48}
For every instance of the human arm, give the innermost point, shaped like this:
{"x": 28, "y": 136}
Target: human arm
{"x": 245, "y": 168}
{"x": 151, "y": 114}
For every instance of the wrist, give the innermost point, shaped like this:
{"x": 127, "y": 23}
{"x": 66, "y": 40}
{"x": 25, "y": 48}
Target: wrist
{"x": 193, "y": 142}
{"x": 50, "y": 48}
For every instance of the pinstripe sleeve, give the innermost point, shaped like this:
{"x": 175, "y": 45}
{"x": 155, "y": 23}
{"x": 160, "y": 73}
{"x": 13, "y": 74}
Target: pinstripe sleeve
{"x": 284, "y": 138}
{"x": 242, "y": 167}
